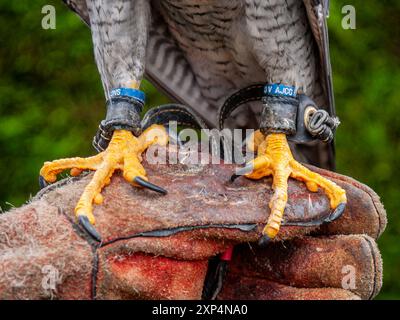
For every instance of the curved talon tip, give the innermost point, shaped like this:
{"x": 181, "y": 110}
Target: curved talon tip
{"x": 242, "y": 171}
{"x": 42, "y": 182}
{"x": 245, "y": 170}
{"x": 264, "y": 241}
{"x": 84, "y": 222}
{"x": 149, "y": 185}
{"x": 337, "y": 212}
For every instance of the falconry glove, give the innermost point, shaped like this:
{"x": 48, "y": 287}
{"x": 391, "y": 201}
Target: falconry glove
{"x": 179, "y": 246}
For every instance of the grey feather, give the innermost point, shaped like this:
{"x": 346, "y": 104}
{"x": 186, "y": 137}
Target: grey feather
{"x": 162, "y": 50}
{"x": 201, "y": 52}
{"x": 318, "y": 11}
{"x": 168, "y": 69}
{"x": 80, "y": 8}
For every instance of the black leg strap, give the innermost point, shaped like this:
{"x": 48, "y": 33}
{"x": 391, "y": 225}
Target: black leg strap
{"x": 297, "y": 116}
{"x": 123, "y": 113}
{"x": 178, "y": 113}
{"x": 313, "y": 123}
{"x": 252, "y": 93}
{"x": 279, "y": 115}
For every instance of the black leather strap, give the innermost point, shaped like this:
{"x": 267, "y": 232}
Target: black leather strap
{"x": 181, "y": 114}
{"x": 279, "y": 115}
{"x": 123, "y": 113}
{"x": 251, "y": 93}
{"x": 283, "y": 114}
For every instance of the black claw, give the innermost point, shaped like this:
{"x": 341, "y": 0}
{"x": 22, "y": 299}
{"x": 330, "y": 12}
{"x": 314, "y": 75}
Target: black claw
{"x": 84, "y": 222}
{"x": 245, "y": 170}
{"x": 336, "y": 213}
{"x": 149, "y": 185}
{"x": 242, "y": 171}
{"x": 264, "y": 241}
{"x": 42, "y": 182}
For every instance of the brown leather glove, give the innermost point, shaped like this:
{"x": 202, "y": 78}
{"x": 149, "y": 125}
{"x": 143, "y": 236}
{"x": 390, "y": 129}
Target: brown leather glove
{"x": 158, "y": 247}
{"x": 337, "y": 260}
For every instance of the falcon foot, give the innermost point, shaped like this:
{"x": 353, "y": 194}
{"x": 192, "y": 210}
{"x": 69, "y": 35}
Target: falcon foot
{"x": 123, "y": 153}
{"x": 275, "y": 158}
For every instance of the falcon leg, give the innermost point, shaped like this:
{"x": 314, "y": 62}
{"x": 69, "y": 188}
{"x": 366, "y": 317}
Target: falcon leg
{"x": 275, "y": 158}
{"x": 123, "y": 153}
{"x": 119, "y": 31}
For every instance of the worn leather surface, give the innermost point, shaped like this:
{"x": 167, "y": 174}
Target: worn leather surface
{"x": 307, "y": 262}
{"x": 153, "y": 244}
{"x": 202, "y": 196}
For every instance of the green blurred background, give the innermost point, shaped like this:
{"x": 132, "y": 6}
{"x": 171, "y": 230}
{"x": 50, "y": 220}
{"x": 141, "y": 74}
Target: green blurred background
{"x": 51, "y": 101}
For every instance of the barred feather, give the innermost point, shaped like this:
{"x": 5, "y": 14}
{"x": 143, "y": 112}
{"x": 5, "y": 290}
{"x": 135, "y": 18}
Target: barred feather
{"x": 199, "y": 52}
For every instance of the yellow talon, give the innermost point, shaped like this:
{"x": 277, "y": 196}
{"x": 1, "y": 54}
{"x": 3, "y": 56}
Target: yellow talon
{"x": 75, "y": 172}
{"x": 275, "y": 158}
{"x": 98, "y": 199}
{"x": 311, "y": 186}
{"x": 255, "y": 140}
{"x": 123, "y": 153}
